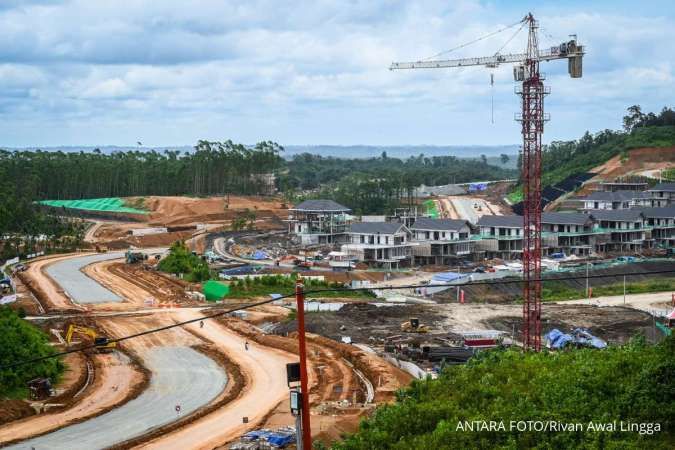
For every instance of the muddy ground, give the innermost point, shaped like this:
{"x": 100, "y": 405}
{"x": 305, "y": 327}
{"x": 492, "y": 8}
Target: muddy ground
{"x": 368, "y": 323}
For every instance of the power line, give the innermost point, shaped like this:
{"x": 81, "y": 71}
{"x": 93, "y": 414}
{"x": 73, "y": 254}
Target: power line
{"x": 319, "y": 291}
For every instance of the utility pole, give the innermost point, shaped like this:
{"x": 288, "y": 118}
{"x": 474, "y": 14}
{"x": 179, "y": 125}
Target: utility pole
{"x": 302, "y": 348}
{"x": 624, "y": 289}
{"x": 586, "y": 279}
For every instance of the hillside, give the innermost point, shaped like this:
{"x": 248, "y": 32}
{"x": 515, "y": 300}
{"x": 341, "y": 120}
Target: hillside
{"x": 632, "y": 384}
{"x": 608, "y": 154}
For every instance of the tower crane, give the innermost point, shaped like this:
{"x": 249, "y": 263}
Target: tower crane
{"x": 532, "y": 118}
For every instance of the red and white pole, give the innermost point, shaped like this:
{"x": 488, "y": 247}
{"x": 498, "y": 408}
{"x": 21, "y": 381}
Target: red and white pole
{"x": 302, "y": 348}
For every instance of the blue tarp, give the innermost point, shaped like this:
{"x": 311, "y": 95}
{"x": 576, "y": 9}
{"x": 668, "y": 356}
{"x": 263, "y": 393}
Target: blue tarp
{"x": 557, "y": 339}
{"x": 259, "y": 254}
{"x": 580, "y": 337}
{"x": 277, "y": 439}
{"x": 446, "y": 277}
{"x": 477, "y": 187}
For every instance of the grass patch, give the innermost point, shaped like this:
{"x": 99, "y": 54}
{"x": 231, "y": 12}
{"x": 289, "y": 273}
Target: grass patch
{"x": 553, "y": 291}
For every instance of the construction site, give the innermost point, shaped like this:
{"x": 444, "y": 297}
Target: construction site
{"x": 172, "y": 360}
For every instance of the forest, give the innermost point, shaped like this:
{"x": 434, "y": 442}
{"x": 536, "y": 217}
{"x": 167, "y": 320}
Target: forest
{"x": 630, "y": 383}
{"x": 379, "y": 185}
{"x": 22, "y": 341}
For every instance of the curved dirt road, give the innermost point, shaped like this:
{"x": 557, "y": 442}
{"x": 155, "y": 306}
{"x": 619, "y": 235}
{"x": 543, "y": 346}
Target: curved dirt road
{"x": 265, "y": 371}
{"x": 181, "y": 376}
{"x": 115, "y": 381}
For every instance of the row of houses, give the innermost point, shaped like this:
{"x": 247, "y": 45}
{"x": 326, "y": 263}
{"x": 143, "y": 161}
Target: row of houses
{"x": 661, "y": 195}
{"x": 443, "y": 241}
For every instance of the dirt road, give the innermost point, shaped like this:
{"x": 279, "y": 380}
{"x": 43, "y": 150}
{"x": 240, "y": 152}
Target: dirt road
{"x": 116, "y": 379}
{"x": 265, "y": 371}
{"x": 644, "y": 302}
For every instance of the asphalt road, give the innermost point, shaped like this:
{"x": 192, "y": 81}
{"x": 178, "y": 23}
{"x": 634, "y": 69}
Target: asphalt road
{"x": 81, "y": 288}
{"x": 180, "y": 376}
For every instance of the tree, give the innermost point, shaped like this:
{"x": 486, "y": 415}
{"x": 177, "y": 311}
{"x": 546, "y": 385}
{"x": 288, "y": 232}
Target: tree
{"x": 504, "y": 158}
{"x": 483, "y": 158}
{"x": 633, "y": 119}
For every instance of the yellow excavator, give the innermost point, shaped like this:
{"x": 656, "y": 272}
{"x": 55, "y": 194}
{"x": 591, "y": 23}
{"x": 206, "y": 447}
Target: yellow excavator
{"x": 101, "y": 342}
{"x": 414, "y": 326}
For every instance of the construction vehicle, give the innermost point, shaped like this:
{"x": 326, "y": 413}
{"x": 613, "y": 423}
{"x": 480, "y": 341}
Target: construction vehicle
{"x": 414, "y": 326}
{"x": 40, "y": 388}
{"x": 101, "y": 342}
{"x": 135, "y": 257}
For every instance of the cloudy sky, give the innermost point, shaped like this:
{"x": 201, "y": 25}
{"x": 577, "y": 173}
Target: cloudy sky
{"x": 169, "y": 72}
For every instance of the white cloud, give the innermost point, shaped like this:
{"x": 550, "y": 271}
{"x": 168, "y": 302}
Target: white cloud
{"x": 171, "y": 72}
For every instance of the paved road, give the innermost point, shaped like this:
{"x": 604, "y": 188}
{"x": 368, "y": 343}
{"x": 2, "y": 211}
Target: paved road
{"x": 180, "y": 376}
{"x": 265, "y": 372}
{"x": 81, "y": 288}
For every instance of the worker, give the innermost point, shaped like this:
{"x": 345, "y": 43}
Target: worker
{"x": 201, "y": 324}
{"x": 246, "y": 345}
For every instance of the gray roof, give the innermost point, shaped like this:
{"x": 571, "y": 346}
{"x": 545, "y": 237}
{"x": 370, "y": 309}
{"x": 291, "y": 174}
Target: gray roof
{"x": 320, "y": 205}
{"x": 375, "y": 227}
{"x": 565, "y": 218}
{"x": 425, "y": 223}
{"x": 617, "y": 215}
{"x": 665, "y": 187}
{"x": 661, "y": 213}
{"x": 616, "y": 196}
{"x": 501, "y": 221}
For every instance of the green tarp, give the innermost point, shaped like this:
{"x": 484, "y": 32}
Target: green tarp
{"x": 111, "y": 204}
{"x": 215, "y": 290}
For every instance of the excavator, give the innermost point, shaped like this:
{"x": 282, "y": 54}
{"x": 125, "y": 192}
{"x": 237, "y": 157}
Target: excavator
{"x": 101, "y": 342}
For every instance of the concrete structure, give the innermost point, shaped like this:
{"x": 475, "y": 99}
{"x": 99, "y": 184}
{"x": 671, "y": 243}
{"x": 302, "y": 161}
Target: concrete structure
{"x": 385, "y": 244}
{"x": 621, "y": 230}
{"x": 441, "y": 241}
{"x": 78, "y": 286}
{"x": 663, "y": 194}
{"x": 319, "y": 222}
{"x": 501, "y": 236}
{"x": 662, "y": 224}
{"x": 569, "y": 233}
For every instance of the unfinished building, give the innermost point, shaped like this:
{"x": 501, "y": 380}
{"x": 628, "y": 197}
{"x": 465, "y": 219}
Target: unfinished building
{"x": 621, "y": 230}
{"x": 382, "y": 244}
{"x": 441, "y": 241}
{"x": 569, "y": 233}
{"x": 322, "y": 222}
{"x": 663, "y": 194}
{"x": 501, "y": 236}
{"x": 660, "y": 223}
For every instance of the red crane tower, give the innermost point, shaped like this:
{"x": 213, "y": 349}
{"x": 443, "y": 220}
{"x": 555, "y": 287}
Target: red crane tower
{"x": 532, "y": 118}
